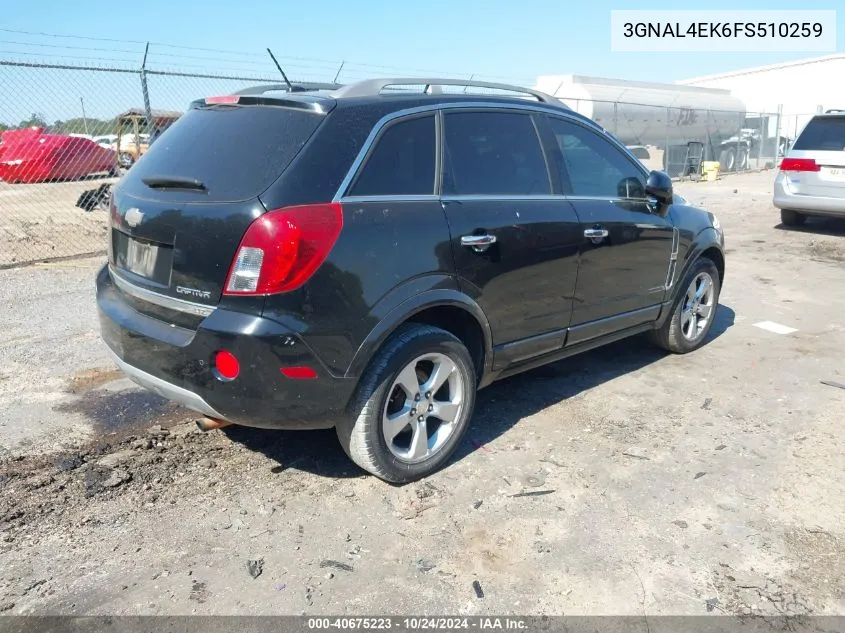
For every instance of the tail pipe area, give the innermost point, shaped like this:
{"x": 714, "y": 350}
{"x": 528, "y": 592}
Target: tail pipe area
{"x": 209, "y": 424}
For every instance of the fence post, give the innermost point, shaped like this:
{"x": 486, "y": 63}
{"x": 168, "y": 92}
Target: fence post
{"x": 777, "y": 134}
{"x": 712, "y": 154}
{"x": 145, "y": 91}
{"x": 615, "y": 118}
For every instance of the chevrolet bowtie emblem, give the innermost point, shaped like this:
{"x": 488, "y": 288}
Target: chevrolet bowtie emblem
{"x": 133, "y": 217}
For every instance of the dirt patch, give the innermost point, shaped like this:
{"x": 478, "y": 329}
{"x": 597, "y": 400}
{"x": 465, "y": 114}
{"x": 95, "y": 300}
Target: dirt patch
{"x": 91, "y": 379}
{"x": 145, "y": 469}
{"x": 42, "y": 221}
{"x": 41, "y": 491}
{"x": 827, "y": 250}
{"x": 822, "y": 558}
{"x": 122, "y": 411}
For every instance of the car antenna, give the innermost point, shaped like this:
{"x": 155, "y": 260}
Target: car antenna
{"x": 284, "y": 76}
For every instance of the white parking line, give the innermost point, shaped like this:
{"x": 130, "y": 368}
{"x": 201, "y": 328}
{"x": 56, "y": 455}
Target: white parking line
{"x": 777, "y": 328}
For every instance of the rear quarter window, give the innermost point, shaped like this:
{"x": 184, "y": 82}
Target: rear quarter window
{"x": 823, "y": 134}
{"x": 236, "y": 152}
{"x": 402, "y": 161}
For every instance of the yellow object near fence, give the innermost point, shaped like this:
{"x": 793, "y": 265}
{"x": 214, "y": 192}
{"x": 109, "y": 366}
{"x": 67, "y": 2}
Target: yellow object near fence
{"x": 710, "y": 170}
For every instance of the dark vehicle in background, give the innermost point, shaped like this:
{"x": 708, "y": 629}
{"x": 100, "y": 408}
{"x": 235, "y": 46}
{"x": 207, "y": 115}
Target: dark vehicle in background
{"x": 811, "y": 177}
{"x": 366, "y": 257}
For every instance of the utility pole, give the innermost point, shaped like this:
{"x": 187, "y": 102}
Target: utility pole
{"x": 84, "y": 118}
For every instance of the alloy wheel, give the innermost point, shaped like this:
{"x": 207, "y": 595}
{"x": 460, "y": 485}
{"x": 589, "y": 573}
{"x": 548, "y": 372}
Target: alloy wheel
{"x": 423, "y": 407}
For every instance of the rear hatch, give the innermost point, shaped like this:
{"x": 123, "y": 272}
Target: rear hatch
{"x": 816, "y": 163}
{"x": 179, "y": 214}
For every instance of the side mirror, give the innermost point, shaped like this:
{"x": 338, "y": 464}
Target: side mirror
{"x": 659, "y": 187}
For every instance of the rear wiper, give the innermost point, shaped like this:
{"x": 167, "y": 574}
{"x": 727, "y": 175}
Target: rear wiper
{"x": 173, "y": 182}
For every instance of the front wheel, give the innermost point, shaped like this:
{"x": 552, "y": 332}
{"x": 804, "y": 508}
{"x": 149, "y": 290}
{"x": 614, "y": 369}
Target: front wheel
{"x": 693, "y": 311}
{"x": 412, "y": 406}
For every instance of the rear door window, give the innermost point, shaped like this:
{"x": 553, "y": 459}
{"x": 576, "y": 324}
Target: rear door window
{"x": 236, "y": 152}
{"x": 493, "y": 153}
{"x": 402, "y": 162}
{"x": 822, "y": 134}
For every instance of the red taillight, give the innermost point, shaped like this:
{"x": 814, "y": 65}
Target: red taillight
{"x": 799, "y": 164}
{"x": 227, "y": 365}
{"x": 299, "y": 373}
{"x": 283, "y": 248}
{"x": 222, "y": 99}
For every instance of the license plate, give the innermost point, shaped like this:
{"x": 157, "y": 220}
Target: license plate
{"x": 141, "y": 258}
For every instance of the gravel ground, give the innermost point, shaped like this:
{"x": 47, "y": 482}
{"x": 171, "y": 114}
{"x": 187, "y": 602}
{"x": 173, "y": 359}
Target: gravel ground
{"x": 624, "y": 481}
{"x": 41, "y": 221}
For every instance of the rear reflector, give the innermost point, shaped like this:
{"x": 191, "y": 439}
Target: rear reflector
{"x": 227, "y": 365}
{"x": 282, "y": 249}
{"x": 222, "y": 99}
{"x": 299, "y": 373}
{"x": 799, "y": 164}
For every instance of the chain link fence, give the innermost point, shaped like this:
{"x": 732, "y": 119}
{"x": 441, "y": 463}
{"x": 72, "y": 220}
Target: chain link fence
{"x": 69, "y": 132}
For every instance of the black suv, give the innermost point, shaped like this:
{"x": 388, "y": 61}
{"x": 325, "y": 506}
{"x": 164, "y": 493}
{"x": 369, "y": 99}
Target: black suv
{"x": 367, "y": 256}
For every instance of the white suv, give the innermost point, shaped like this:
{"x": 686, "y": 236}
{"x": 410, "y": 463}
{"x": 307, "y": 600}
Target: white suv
{"x": 811, "y": 178}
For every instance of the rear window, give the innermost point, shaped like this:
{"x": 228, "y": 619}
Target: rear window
{"x": 236, "y": 152}
{"x": 824, "y": 134}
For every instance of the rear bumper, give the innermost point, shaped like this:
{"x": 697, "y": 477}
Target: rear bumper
{"x": 177, "y": 364}
{"x": 167, "y": 390}
{"x": 784, "y": 198}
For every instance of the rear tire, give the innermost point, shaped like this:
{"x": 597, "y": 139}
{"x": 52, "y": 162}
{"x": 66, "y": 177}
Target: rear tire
{"x": 383, "y": 413}
{"x": 125, "y": 160}
{"x": 742, "y": 160}
{"x": 693, "y": 311}
{"x": 792, "y": 218}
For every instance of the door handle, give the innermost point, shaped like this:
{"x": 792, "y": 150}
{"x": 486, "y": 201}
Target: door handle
{"x": 478, "y": 243}
{"x": 595, "y": 233}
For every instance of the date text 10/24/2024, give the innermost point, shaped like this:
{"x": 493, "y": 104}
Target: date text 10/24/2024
{"x": 418, "y": 624}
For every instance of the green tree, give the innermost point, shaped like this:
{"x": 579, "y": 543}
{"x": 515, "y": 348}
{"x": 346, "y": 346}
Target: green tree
{"x": 94, "y": 127}
{"x": 36, "y": 120}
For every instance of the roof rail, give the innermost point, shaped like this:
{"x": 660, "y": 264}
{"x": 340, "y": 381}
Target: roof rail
{"x": 294, "y": 87}
{"x": 372, "y": 87}
{"x": 834, "y": 111}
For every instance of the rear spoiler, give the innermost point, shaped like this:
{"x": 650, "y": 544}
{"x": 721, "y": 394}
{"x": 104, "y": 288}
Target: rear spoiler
{"x": 297, "y": 87}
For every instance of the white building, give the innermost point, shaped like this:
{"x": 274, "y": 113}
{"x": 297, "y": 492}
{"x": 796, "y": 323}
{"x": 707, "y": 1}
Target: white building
{"x": 801, "y": 88}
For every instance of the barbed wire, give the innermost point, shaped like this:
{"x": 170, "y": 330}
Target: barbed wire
{"x": 74, "y": 37}
{"x": 82, "y": 57}
{"x": 286, "y": 60}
